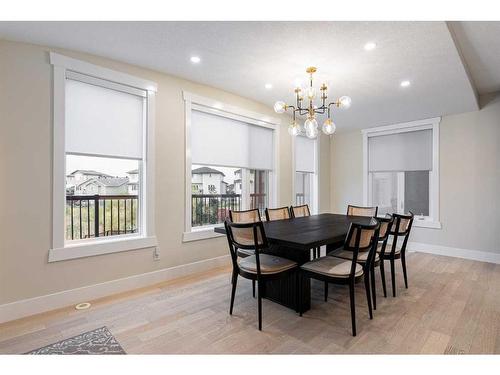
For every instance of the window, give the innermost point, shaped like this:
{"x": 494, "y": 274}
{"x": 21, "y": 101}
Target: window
{"x": 100, "y": 200}
{"x": 305, "y": 170}
{"x": 258, "y": 190}
{"x": 103, "y": 129}
{"x": 303, "y": 185}
{"x": 401, "y": 170}
{"x": 231, "y": 156}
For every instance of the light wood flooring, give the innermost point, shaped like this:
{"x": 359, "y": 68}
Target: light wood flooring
{"x": 452, "y": 306}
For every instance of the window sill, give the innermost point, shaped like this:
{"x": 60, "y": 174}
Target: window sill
{"x": 426, "y": 224}
{"x": 100, "y": 247}
{"x": 201, "y": 234}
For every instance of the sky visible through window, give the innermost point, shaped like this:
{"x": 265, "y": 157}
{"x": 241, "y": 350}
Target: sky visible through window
{"x": 111, "y": 166}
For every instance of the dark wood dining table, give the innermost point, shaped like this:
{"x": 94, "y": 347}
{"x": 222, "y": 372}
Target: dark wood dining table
{"x": 293, "y": 239}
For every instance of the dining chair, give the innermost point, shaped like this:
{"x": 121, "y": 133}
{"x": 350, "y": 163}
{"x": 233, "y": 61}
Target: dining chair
{"x": 247, "y": 216}
{"x": 401, "y": 227}
{"x": 277, "y": 213}
{"x": 385, "y": 224}
{"x": 369, "y": 267}
{"x": 260, "y": 267}
{"x": 302, "y": 211}
{"x": 362, "y": 211}
{"x": 334, "y": 270}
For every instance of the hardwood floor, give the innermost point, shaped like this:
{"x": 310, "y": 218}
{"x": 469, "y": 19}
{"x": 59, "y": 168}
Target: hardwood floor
{"x": 452, "y": 306}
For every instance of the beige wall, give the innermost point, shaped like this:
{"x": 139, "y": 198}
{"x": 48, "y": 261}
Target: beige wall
{"x": 469, "y": 179}
{"x": 25, "y": 178}
{"x": 346, "y": 179}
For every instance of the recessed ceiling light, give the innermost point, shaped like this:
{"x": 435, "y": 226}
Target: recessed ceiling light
{"x": 405, "y": 83}
{"x": 268, "y": 86}
{"x": 370, "y": 46}
{"x": 195, "y": 59}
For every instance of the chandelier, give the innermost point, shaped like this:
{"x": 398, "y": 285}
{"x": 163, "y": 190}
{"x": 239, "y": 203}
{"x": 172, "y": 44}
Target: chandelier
{"x": 311, "y": 110}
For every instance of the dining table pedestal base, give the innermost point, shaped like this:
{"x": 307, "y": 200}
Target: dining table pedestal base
{"x": 284, "y": 290}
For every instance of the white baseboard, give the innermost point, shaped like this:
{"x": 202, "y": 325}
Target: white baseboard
{"x": 31, "y": 306}
{"x": 36, "y": 305}
{"x": 482, "y": 256}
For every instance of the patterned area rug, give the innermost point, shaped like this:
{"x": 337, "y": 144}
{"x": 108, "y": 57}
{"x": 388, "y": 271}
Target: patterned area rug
{"x": 98, "y": 341}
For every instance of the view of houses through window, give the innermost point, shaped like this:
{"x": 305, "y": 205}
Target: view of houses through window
{"x": 102, "y": 196}
{"x": 216, "y": 190}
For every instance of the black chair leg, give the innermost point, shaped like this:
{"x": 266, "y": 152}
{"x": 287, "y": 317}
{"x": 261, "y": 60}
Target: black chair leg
{"x": 382, "y": 275}
{"x": 326, "y": 291}
{"x": 253, "y": 288}
{"x": 393, "y": 278}
{"x": 297, "y": 295}
{"x": 374, "y": 292}
{"x": 234, "y": 280}
{"x": 299, "y": 299}
{"x": 403, "y": 262}
{"x": 353, "y": 308}
{"x": 259, "y": 298}
{"x": 368, "y": 296}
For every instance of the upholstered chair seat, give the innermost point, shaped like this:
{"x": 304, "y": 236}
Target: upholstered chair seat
{"x": 247, "y": 216}
{"x": 245, "y": 252}
{"x": 360, "y": 242}
{"x": 250, "y": 238}
{"x": 269, "y": 264}
{"x": 399, "y": 229}
{"x": 346, "y": 254}
{"x": 388, "y": 249}
{"x": 333, "y": 267}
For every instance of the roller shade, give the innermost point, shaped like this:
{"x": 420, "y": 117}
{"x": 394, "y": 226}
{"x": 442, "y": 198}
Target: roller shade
{"x": 103, "y": 121}
{"x": 408, "y": 151}
{"x": 305, "y": 154}
{"x": 217, "y": 140}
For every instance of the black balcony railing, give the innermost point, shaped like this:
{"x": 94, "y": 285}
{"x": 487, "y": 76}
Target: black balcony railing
{"x": 209, "y": 209}
{"x": 89, "y": 216}
{"x": 258, "y": 201}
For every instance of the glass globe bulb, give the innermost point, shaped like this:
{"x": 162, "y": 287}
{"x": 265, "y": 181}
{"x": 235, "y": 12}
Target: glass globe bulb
{"x": 311, "y": 92}
{"x": 328, "y": 127}
{"x": 344, "y": 102}
{"x": 312, "y": 133}
{"x": 279, "y": 107}
{"x": 294, "y": 129}
{"x": 310, "y": 123}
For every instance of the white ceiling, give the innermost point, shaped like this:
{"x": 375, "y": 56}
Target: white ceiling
{"x": 241, "y": 57}
{"x": 480, "y": 45}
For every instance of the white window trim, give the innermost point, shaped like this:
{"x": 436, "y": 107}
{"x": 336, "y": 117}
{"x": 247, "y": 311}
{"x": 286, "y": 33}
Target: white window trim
{"x": 212, "y": 106}
{"x": 315, "y": 180}
{"x": 432, "y": 221}
{"x": 61, "y": 250}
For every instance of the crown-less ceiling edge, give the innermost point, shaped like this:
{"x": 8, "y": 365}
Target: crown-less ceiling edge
{"x": 464, "y": 63}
